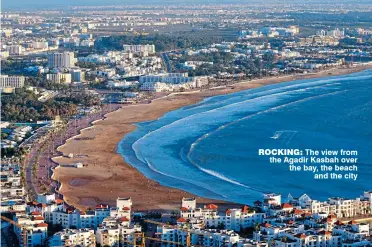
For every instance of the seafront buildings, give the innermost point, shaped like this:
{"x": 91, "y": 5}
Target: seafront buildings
{"x": 171, "y": 82}
{"x": 294, "y": 222}
{"x": 74, "y": 237}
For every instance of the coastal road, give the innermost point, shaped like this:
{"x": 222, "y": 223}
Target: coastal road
{"x": 166, "y": 61}
{"x": 37, "y": 184}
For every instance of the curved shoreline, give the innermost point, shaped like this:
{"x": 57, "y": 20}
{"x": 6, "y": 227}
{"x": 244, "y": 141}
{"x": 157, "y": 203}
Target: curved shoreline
{"x": 150, "y": 144}
{"x": 109, "y": 176}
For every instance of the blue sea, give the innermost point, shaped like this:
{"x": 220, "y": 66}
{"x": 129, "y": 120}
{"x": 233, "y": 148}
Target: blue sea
{"x": 211, "y": 148}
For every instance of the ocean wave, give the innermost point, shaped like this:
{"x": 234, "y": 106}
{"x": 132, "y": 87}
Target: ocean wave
{"x": 278, "y": 88}
{"x": 193, "y": 145}
{"x": 136, "y": 146}
{"x": 150, "y": 147}
{"x": 265, "y": 111}
{"x": 179, "y": 178}
{"x": 204, "y": 136}
{"x": 232, "y": 105}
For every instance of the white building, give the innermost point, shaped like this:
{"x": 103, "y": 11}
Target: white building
{"x": 59, "y": 78}
{"x": 344, "y": 207}
{"x": 11, "y": 82}
{"x": 272, "y": 199}
{"x": 117, "y": 230}
{"x": 174, "y": 78}
{"x": 149, "y": 49}
{"x": 56, "y": 212}
{"x": 15, "y": 49}
{"x": 210, "y": 237}
{"x": 11, "y": 188}
{"x": 236, "y": 219}
{"x": 4, "y": 54}
{"x": 156, "y": 87}
{"x": 77, "y": 75}
{"x": 122, "y": 84}
{"x": 106, "y": 73}
{"x": 188, "y": 203}
{"x": 74, "y": 237}
{"x": 170, "y": 82}
{"x": 40, "y": 44}
{"x": 35, "y": 227}
{"x": 61, "y": 60}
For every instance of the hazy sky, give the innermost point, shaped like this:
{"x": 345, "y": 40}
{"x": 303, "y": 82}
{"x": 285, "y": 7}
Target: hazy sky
{"x": 22, "y": 4}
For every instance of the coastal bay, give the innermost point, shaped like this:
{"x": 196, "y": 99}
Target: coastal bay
{"x": 108, "y": 176}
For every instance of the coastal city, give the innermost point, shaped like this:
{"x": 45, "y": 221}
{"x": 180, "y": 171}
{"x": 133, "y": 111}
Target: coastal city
{"x": 75, "y": 80}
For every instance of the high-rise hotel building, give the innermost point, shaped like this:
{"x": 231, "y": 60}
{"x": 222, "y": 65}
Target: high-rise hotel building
{"x": 61, "y": 60}
{"x": 8, "y": 83}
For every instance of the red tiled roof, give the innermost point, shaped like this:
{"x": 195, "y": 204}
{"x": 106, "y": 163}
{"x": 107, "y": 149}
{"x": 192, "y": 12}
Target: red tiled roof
{"x": 42, "y": 225}
{"x": 211, "y": 206}
{"x": 287, "y": 205}
{"x": 183, "y": 209}
{"x": 228, "y": 212}
{"x": 59, "y": 201}
{"x": 181, "y": 220}
{"x": 298, "y": 212}
{"x": 306, "y": 214}
{"x": 126, "y": 208}
{"x": 124, "y": 219}
{"x": 245, "y": 209}
{"x": 300, "y": 235}
{"x": 322, "y": 232}
{"x": 265, "y": 225}
{"x": 35, "y": 213}
{"x": 38, "y": 218}
{"x": 70, "y": 209}
{"x": 332, "y": 216}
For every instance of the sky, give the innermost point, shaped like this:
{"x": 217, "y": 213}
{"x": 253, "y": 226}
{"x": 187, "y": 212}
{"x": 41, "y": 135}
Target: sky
{"x": 32, "y": 4}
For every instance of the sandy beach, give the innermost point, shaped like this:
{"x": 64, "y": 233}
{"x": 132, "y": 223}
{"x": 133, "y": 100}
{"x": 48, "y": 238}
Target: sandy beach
{"x": 107, "y": 176}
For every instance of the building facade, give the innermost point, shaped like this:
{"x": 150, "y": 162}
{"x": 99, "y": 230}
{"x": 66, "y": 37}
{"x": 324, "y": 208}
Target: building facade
{"x": 61, "y": 60}
{"x": 59, "y": 78}
{"x": 11, "y": 82}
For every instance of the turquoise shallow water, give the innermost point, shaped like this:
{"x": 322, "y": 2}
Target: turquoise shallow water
{"x": 211, "y": 148}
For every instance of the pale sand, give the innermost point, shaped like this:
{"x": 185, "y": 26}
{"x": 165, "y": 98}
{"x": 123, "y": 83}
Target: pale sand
{"x": 108, "y": 176}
